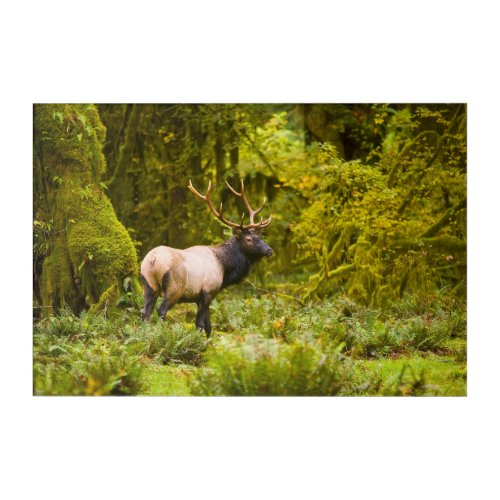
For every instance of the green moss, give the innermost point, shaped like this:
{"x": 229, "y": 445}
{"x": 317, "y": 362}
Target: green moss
{"x": 93, "y": 251}
{"x": 58, "y": 286}
{"x": 107, "y": 300}
{"x": 73, "y": 134}
{"x": 100, "y": 248}
{"x": 97, "y": 238}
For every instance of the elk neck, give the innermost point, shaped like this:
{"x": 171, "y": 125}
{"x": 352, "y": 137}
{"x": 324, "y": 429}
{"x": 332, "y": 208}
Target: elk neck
{"x": 235, "y": 263}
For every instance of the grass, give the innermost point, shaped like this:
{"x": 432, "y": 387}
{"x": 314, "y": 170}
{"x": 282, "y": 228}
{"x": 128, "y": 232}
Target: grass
{"x": 261, "y": 346}
{"x": 438, "y": 376}
{"x": 167, "y": 380}
{"x": 443, "y": 377}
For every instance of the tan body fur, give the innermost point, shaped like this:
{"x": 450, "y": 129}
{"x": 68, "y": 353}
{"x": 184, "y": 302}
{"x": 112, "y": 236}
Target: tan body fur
{"x": 191, "y": 271}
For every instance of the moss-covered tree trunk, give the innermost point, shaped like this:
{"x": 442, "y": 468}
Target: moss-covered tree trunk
{"x": 82, "y": 253}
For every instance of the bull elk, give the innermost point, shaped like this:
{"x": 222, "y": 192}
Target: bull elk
{"x": 198, "y": 273}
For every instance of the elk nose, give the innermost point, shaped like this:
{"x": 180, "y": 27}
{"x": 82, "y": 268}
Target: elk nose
{"x": 269, "y": 252}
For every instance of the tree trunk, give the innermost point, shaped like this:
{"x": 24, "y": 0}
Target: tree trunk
{"x": 81, "y": 249}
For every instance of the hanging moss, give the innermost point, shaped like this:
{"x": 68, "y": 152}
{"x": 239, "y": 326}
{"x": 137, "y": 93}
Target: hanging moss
{"x": 91, "y": 251}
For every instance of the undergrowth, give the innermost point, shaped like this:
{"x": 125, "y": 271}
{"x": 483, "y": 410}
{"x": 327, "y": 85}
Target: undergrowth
{"x": 260, "y": 346}
{"x": 97, "y": 355}
{"x": 266, "y": 367}
{"x": 365, "y": 332}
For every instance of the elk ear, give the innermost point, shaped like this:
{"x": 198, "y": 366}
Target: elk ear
{"x": 237, "y": 231}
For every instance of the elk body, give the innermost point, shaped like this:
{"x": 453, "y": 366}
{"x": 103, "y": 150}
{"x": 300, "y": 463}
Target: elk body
{"x": 198, "y": 273}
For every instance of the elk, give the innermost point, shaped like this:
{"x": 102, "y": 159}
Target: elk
{"x": 196, "y": 274}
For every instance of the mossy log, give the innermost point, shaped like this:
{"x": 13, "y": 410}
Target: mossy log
{"x": 89, "y": 251}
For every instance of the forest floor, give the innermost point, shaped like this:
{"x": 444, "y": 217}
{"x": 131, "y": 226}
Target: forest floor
{"x": 446, "y": 376}
{"x": 260, "y": 346}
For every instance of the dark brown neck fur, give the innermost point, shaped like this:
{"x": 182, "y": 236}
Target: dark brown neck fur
{"x": 235, "y": 263}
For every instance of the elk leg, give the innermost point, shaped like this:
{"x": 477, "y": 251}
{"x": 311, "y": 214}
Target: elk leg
{"x": 208, "y": 325}
{"x": 163, "y": 308}
{"x": 165, "y": 304}
{"x": 150, "y": 298}
{"x": 202, "y": 321}
{"x": 200, "y": 317}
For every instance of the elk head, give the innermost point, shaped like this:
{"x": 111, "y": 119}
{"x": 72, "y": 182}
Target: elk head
{"x": 247, "y": 234}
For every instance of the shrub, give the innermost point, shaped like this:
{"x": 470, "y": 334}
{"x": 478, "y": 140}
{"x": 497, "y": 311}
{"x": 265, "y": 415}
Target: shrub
{"x": 370, "y": 338}
{"x": 173, "y": 343}
{"x": 266, "y": 367}
{"x": 101, "y": 368}
{"x": 83, "y": 356}
{"x": 365, "y": 332}
{"x": 457, "y": 321}
{"x": 65, "y": 324}
{"x": 250, "y": 315}
{"x": 425, "y": 335}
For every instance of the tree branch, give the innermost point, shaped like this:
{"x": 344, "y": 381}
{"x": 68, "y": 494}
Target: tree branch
{"x": 445, "y": 219}
{"x": 276, "y": 293}
{"x": 448, "y": 243}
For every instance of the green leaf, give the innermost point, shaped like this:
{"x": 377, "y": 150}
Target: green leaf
{"x": 53, "y": 348}
{"x": 58, "y": 115}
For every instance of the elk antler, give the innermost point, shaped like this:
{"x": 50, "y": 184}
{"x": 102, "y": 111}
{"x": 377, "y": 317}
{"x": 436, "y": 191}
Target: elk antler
{"x": 225, "y": 221}
{"x": 251, "y": 212}
{"x": 210, "y": 204}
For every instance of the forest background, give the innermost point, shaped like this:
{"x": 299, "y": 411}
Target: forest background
{"x": 369, "y": 234}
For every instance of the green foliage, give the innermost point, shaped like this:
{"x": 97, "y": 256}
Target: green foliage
{"x": 393, "y": 225}
{"x": 102, "y": 369}
{"x": 425, "y": 335}
{"x": 364, "y": 332}
{"x": 71, "y": 357}
{"x": 261, "y": 346}
{"x": 98, "y": 355}
{"x": 267, "y": 367}
{"x": 174, "y": 343}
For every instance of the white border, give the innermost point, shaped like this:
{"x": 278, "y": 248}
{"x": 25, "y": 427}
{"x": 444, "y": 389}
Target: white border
{"x": 264, "y": 51}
